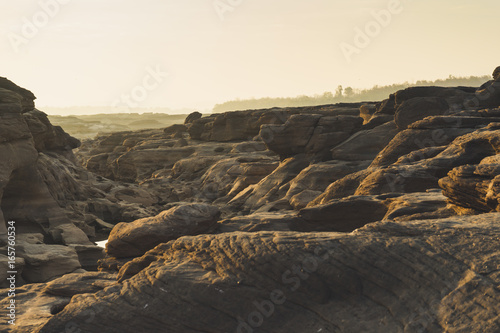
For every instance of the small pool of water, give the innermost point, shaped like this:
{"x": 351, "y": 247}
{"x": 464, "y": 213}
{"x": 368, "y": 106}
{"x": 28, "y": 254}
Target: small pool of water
{"x": 102, "y": 243}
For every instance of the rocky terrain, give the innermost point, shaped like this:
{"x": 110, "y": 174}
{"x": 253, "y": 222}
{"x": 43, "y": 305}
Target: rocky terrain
{"x": 368, "y": 217}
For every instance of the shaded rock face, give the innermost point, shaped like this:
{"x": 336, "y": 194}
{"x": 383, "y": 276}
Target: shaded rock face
{"x": 24, "y": 133}
{"x": 350, "y": 213}
{"x": 192, "y": 117}
{"x": 424, "y": 275}
{"x": 365, "y": 144}
{"x": 45, "y": 300}
{"x": 135, "y": 238}
{"x": 473, "y": 186}
{"x": 309, "y": 133}
{"x": 455, "y": 97}
{"x": 15, "y": 98}
{"x": 496, "y": 74}
{"x": 245, "y": 125}
{"x": 418, "y": 108}
{"x": 45, "y": 192}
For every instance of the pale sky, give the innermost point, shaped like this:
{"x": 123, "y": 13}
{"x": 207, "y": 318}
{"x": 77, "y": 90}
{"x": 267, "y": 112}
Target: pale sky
{"x": 96, "y": 52}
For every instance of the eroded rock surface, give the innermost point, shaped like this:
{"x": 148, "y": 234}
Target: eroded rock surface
{"x": 135, "y": 238}
{"x": 412, "y": 276}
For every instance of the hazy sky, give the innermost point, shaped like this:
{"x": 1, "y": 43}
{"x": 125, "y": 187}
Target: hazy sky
{"x": 105, "y": 52}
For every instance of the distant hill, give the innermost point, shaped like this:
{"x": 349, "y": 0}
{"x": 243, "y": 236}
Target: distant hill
{"x": 88, "y": 126}
{"x": 348, "y": 94}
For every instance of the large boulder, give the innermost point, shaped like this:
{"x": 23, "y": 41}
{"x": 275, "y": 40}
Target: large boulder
{"x": 313, "y": 134}
{"x": 44, "y": 262}
{"x": 192, "y": 117}
{"x": 411, "y": 140}
{"x": 365, "y": 144}
{"x": 272, "y": 188}
{"x": 474, "y": 187}
{"x": 418, "y": 108}
{"x": 20, "y": 99}
{"x": 496, "y": 74}
{"x": 351, "y": 213}
{"x": 135, "y": 238}
{"x": 488, "y": 95}
{"x": 314, "y": 179}
{"x": 343, "y": 215}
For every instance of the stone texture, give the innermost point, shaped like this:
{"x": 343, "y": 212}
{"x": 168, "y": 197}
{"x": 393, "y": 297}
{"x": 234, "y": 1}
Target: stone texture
{"x": 44, "y": 262}
{"x": 135, "y": 238}
{"x": 432, "y": 275}
{"x": 418, "y": 108}
{"x": 365, "y": 144}
{"x": 312, "y": 134}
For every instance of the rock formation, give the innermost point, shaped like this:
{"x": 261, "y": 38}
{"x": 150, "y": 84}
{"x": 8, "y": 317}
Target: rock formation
{"x": 411, "y": 276}
{"x": 363, "y": 217}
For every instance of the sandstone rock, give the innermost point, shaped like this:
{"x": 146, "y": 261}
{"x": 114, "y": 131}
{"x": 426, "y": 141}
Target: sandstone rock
{"x": 488, "y": 95}
{"x": 88, "y": 255}
{"x": 431, "y": 204}
{"x": 267, "y": 221}
{"x": 44, "y": 262}
{"x": 366, "y": 112}
{"x": 353, "y": 212}
{"x": 342, "y": 214}
{"x": 439, "y": 122}
{"x": 317, "y": 177}
{"x": 24, "y": 132}
{"x": 26, "y": 97}
{"x": 387, "y": 106}
{"x": 248, "y": 147}
{"x": 308, "y": 133}
{"x": 473, "y": 186}
{"x": 274, "y": 186}
{"x": 229, "y": 176}
{"x": 46, "y": 300}
{"x": 365, "y": 144}
{"x": 330, "y": 131}
{"x": 13, "y": 127}
{"x": 452, "y": 95}
{"x": 192, "y": 117}
{"x": 410, "y": 140}
{"x": 418, "y": 108}
{"x": 341, "y": 188}
{"x": 292, "y": 137}
{"x": 302, "y": 199}
{"x": 496, "y": 74}
{"x": 174, "y": 130}
{"x": 19, "y": 264}
{"x": 77, "y": 283}
{"x": 135, "y": 238}
{"x": 424, "y": 276}
{"x": 400, "y": 179}
{"x": 69, "y": 234}
{"x": 46, "y": 136}
{"x": 29, "y": 318}
{"x": 421, "y": 169}
{"x": 245, "y": 125}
